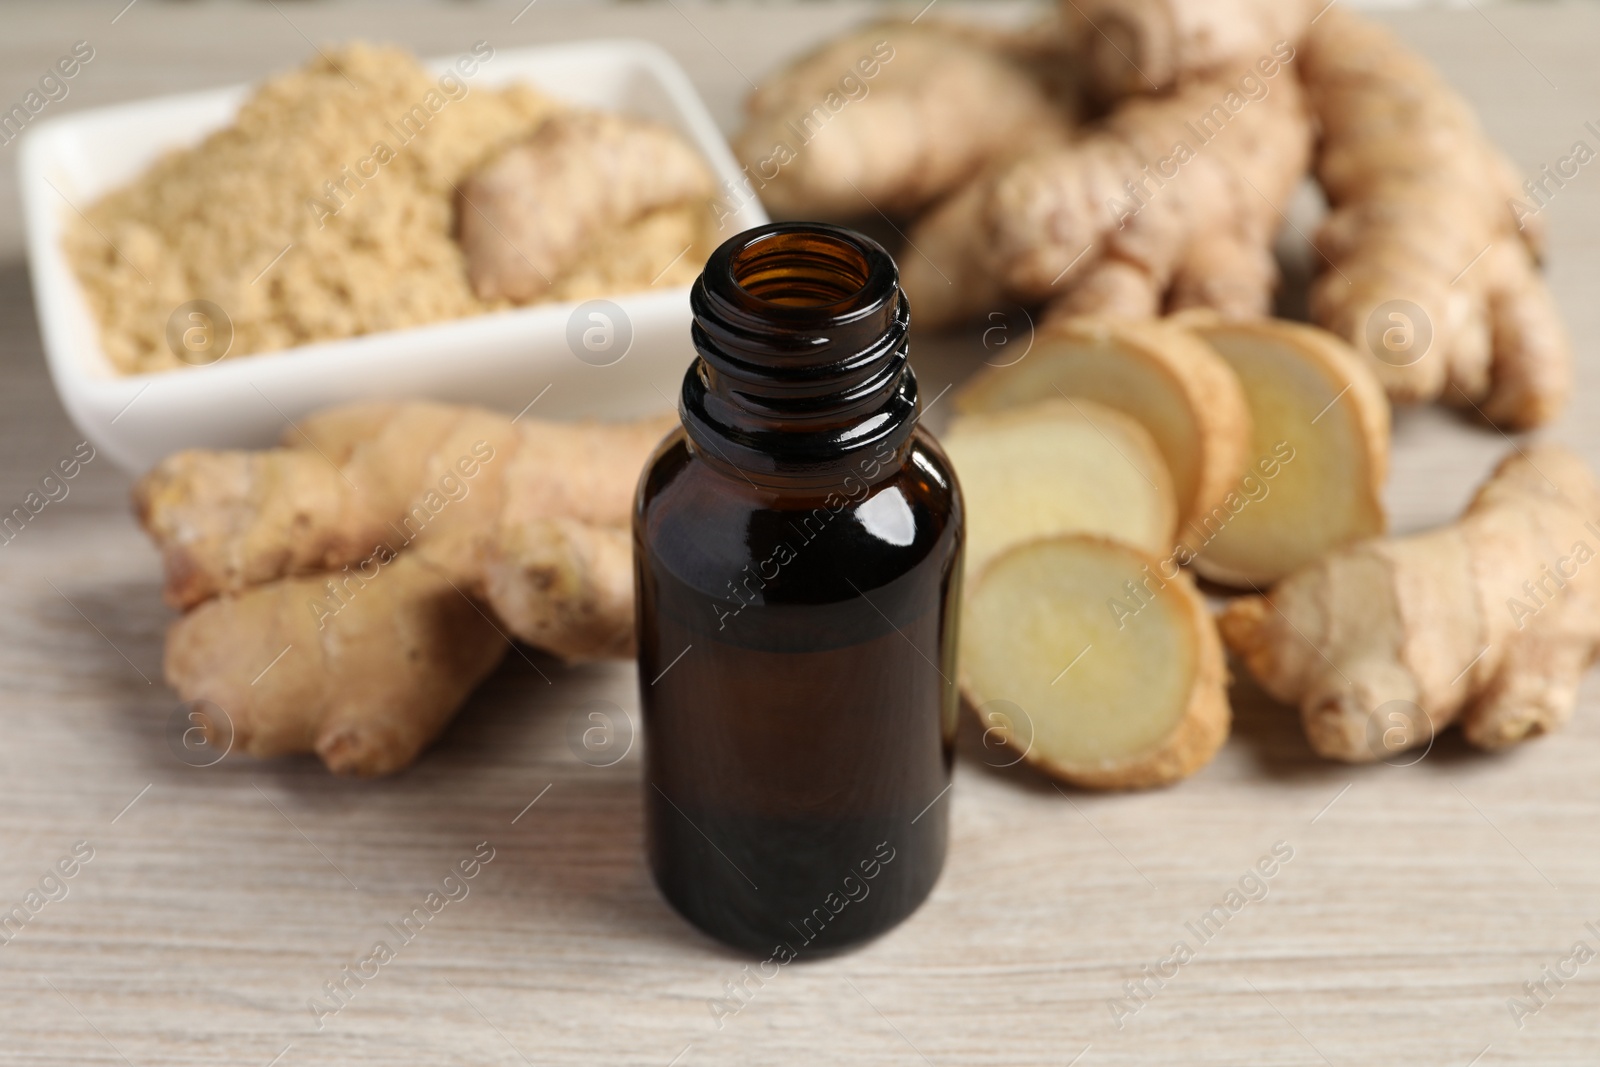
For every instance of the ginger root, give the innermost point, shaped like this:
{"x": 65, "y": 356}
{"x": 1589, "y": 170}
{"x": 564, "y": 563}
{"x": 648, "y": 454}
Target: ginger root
{"x": 1428, "y": 271}
{"x": 1490, "y": 621}
{"x": 1176, "y": 386}
{"x": 1171, "y": 202}
{"x": 383, "y": 555}
{"x": 565, "y": 586}
{"x": 366, "y": 692}
{"x": 529, "y": 215}
{"x": 1173, "y": 198}
{"x": 1145, "y": 46}
{"x": 1059, "y": 466}
{"x": 891, "y": 116}
{"x": 346, "y": 481}
{"x": 1096, "y": 697}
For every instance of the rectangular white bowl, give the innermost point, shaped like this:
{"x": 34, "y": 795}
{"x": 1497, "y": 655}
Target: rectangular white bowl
{"x": 501, "y": 360}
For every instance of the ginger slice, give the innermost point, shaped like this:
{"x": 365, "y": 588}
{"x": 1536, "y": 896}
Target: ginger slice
{"x": 1318, "y": 456}
{"x": 1059, "y": 466}
{"x": 1172, "y": 382}
{"x": 1490, "y": 621}
{"x": 1101, "y": 670}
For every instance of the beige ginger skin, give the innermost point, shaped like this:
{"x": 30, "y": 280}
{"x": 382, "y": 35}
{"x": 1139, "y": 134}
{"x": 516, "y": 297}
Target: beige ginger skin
{"x": 1489, "y": 622}
{"x": 1428, "y": 267}
{"x": 1138, "y": 216}
{"x": 891, "y": 117}
{"x": 393, "y": 549}
{"x": 1133, "y": 47}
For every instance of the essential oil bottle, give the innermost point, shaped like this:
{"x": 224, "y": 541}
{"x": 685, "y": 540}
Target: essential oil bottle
{"x": 798, "y": 553}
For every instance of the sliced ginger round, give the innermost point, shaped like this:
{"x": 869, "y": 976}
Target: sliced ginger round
{"x": 1319, "y": 453}
{"x": 1090, "y": 681}
{"x": 1059, "y": 466}
{"x": 1171, "y": 381}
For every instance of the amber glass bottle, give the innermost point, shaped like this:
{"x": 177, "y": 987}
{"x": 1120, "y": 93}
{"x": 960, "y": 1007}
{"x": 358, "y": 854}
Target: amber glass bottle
{"x": 798, "y": 554}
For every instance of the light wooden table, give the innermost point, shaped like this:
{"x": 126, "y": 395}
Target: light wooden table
{"x": 219, "y": 900}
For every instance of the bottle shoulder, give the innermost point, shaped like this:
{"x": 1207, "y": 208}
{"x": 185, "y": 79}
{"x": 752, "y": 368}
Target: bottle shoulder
{"x": 871, "y": 525}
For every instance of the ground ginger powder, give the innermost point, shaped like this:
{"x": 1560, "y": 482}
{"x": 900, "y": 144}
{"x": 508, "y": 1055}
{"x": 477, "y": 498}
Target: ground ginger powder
{"x": 326, "y": 211}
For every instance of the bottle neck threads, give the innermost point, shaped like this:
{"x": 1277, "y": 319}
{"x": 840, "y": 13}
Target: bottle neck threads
{"x": 801, "y": 331}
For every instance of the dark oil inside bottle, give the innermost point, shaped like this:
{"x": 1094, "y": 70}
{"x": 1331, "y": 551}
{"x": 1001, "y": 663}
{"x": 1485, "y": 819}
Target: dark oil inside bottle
{"x": 798, "y": 556}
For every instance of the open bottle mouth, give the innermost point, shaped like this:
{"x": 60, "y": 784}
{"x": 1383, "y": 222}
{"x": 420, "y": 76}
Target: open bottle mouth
{"x": 812, "y": 268}
{"x": 798, "y": 286}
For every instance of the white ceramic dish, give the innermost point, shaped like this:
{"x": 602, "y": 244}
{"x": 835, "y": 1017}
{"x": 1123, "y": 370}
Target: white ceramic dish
{"x": 503, "y": 360}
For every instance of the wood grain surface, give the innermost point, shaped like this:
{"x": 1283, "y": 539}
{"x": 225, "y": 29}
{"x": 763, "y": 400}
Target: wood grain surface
{"x": 219, "y": 900}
